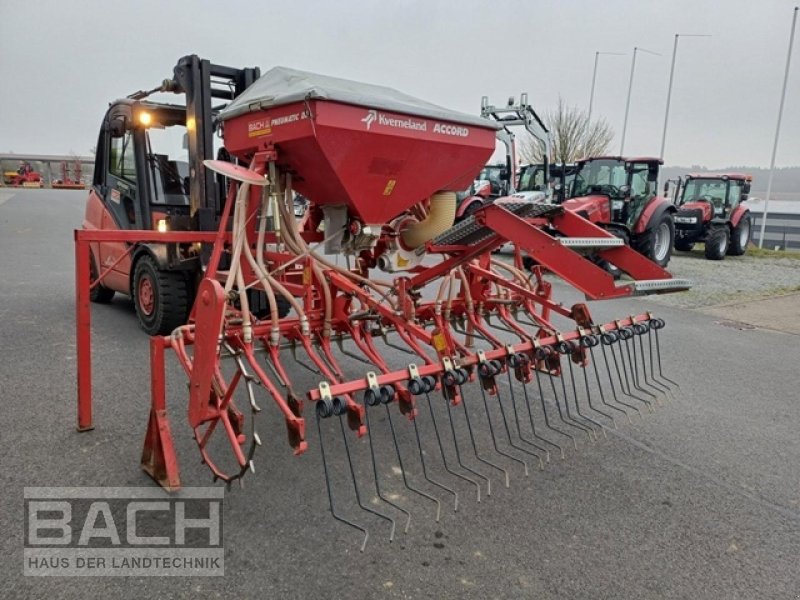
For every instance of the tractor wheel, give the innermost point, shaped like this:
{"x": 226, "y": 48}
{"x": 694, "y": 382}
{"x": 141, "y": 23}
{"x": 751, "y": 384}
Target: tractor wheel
{"x": 99, "y": 294}
{"x": 656, "y": 242}
{"x": 683, "y": 245}
{"x": 615, "y": 271}
{"x": 471, "y": 208}
{"x": 717, "y": 243}
{"x": 161, "y": 297}
{"x": 740, "y": 236}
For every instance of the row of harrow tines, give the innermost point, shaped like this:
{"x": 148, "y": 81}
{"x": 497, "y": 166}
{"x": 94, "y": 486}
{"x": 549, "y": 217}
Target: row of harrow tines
{"x": 469, "y": 355}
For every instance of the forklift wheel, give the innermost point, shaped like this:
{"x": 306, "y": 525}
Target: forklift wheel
{"x": 161, "y": 297}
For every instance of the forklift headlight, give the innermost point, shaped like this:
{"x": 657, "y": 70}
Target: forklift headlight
{"x": 162, "y": 225}
{"x": 145, "y": 118}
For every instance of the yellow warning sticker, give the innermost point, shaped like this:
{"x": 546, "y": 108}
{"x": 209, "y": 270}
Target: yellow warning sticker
{"x": 387, "y": 191}
{"x": 439, "y": 342}
{"x": 307, "y": 276}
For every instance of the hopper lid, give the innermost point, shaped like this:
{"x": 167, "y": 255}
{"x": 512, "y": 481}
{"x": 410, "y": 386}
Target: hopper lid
{"x": 282, "y": 85}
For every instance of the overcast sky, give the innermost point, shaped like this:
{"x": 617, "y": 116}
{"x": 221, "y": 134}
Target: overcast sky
{"x": 62, "y": 62}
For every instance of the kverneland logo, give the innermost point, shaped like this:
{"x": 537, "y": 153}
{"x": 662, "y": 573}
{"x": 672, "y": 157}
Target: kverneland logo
{"x": 374, "y": 116}
{"x": 370, "y": 118}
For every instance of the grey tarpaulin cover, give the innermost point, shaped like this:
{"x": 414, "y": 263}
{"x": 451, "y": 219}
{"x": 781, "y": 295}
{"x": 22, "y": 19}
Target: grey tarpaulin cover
{"x": 281, "y": 85}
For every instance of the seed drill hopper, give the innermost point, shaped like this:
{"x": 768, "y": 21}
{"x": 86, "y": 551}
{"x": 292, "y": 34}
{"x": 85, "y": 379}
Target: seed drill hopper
{"x": 395, "y": 311}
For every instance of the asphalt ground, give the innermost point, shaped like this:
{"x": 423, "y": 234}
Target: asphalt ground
{"x": 700, "y": 499}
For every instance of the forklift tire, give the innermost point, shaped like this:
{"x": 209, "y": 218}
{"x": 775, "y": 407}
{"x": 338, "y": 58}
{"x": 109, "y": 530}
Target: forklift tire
{"x": 683, "y": 245}
{"x": 657, "y": 240}
{"x": 717, "y": 242}
{"x": 284, "y": 308}
{"x": 99, "y": 294}
{"x": 161, "y": 297}
{"x": 740, "y": 236}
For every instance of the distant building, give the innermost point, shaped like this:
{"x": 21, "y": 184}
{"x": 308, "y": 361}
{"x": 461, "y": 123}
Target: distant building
{"x": 783, "y": 223}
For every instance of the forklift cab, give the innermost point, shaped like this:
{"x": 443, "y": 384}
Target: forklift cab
{"x": 141, "y": 169}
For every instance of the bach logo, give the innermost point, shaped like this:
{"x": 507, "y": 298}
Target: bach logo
{"x": 371, "y": 117}
{"x": 123, "y": 532}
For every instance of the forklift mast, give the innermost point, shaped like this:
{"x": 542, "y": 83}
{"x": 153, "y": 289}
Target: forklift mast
{"x": 201, "y": 82}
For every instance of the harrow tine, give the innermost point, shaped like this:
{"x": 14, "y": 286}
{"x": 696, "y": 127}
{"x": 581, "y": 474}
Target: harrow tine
{"x": 651, "y": 354}
{"x": 494, "y": 438}
{"x": 324, "y": 409}
{"x": 425, "y": 468}
{"x": 458, "y": 450}
{"x": 282, "y": 381}
{"x": 585, "y": 367}
{"x": 441, "y": 449}
{"x": 377, "y": 513}
{"x": 396, "y": 347}
{"x": 474, "y": 446}
{"x": 375, "y": 471}
{"x": 561, "y": 416}
{"x": 547, "y": 422}
{"x": 640, "y": 330}
{"x": 613, "y": 388}
{"x": 508, "y": 430}
{"x": 303, "y": 364}
{"x": 519, "y": 428}
{"x": 589, "y": 399}
{"x": 659, "y": 324}
{"x": 626, "y": 338}
{"x": 568, "y": 420}
{"x": 639, "y": 359}
{"x": 575, "y": 397}
{"x": 626, "y": 386}
{"x": 403, "y": 469}
{"x": 355, "y": 356}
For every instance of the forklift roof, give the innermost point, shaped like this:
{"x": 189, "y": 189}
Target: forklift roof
{"x": 281, "y": 85}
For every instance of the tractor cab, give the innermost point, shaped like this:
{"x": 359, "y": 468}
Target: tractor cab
{"x": 532, "y": 178}
{"x": 711, "y": 210}
{"x": 720, "y": 193}
{"x": 627, "y": 184}
{"x": 620, "y": 195}
{"x": 535, "y": 178}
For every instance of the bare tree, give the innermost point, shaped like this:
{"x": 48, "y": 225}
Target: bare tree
{"x": 573, "y": 136}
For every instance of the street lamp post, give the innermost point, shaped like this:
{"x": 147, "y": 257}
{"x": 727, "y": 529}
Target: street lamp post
{"x": 669, "y": 89}
{"x": 594, "y": 79}
{"x": 777, "y": 132}
{"x": 630, "y": 88}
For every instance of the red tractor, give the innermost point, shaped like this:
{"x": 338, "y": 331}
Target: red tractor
{"x": 492, "y": 182}
{"x": 25, "y": 177}
{"x": 711, "y": 210}
{"x": 620, "y": 195}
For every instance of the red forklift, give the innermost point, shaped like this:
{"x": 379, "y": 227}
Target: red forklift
{"x": 620, "y": 195}
{"x": 711, "y": 211}
{"x": 149, "y": 175}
